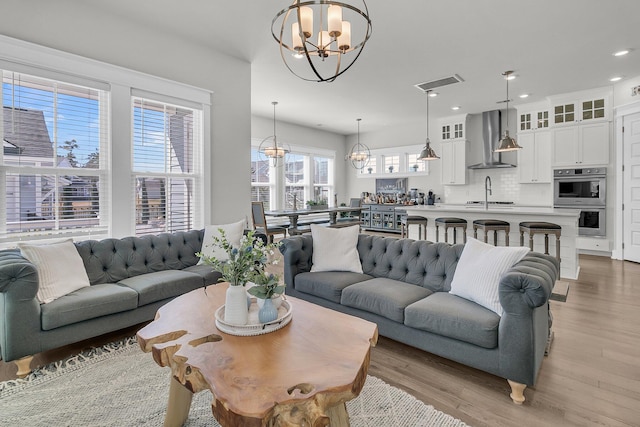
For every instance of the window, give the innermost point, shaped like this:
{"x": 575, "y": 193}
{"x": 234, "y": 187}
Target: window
{"x": 415, "y": 165}
{"x": 261, "y": 179}
{"x": 294, "y": 176}
{"x": 392, "y": 163}
{"x": 322, "y": 178}
{"x": 55, "y": 156}
{"x": 400, "y": 160}
{"x": 166, "y": 186}
{"x": 306, "y": 173}
{"x": 371, "y": 167}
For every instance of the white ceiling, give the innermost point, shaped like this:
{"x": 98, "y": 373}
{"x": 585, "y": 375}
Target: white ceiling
{"x": 554, "y": 46}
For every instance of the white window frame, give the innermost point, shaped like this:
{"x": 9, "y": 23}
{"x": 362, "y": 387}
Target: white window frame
{"x": 16, "y": 54}
{"x": 277, "y": 174}
{"x": 379, "y": 170}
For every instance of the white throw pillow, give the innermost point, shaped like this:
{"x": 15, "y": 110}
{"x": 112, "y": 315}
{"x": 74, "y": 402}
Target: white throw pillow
{"x": 234, "y": 233}
{"x": 335, "y": 249}
{"x": 60, "y": 268}
{"x": 479, "y": 270}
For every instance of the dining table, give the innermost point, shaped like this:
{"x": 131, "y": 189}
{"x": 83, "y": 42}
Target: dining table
{"x": 294, "y": 214}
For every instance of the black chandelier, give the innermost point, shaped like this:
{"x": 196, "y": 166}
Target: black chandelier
{"x": 325, "y": 54}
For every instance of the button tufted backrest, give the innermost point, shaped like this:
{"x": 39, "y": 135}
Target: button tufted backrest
{"x": 419, "y": 262}
{"x": 111, "y": 260}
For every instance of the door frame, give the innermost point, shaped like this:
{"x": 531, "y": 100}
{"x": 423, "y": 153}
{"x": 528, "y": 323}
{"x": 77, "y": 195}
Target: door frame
{"x": 620, "y": 113}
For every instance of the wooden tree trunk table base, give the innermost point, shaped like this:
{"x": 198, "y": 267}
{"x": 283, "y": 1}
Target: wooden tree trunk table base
{"x": 300, "y": 375}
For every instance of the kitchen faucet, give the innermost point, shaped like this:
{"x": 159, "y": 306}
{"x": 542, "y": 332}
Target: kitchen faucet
{"x": 487, "y": 191}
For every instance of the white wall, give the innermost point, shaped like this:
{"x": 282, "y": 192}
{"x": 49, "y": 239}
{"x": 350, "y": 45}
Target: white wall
{"x": 70, "y": 26}
{"x": 292, "y": 134}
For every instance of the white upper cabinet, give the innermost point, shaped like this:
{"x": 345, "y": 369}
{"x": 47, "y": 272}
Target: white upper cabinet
{"x": 534, "y": 159}
{"x": 534, "y": 136}
{"x": 581, "y": 107}
{"x": 582, "y": 145}
{"x": 532, "y": 117}
{"x": 453, "y": 149}
{"x": 580, "y": 129}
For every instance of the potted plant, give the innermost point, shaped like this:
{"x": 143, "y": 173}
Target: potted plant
{"x": 268, "y": 291}
{"x": 240, "y": 267}
{"x": 317, "y": 204}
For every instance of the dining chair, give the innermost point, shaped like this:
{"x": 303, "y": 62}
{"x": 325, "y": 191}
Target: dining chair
{"x": 353, "y": 216}
{"x": 260, "y": 222}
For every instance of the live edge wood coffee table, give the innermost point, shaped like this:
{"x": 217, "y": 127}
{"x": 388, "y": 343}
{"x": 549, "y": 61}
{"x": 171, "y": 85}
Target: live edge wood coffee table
{"x": 300, "y": 375}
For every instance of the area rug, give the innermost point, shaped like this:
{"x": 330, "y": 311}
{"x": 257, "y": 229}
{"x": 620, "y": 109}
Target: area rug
{"x": 119, "y": 385}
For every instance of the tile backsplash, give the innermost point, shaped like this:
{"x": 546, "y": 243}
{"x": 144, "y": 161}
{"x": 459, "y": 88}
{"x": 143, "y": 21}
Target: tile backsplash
{"x": 505, "y": 188}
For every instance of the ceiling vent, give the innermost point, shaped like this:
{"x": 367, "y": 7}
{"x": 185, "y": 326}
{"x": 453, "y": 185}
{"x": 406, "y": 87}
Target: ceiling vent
{"x": 439, "y": 83}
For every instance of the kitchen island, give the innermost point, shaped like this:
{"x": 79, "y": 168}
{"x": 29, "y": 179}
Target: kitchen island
{"x": 514, "y": 215}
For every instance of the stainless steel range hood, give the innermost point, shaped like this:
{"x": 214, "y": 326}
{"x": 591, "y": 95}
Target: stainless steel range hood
{"x": 491, "y": 133}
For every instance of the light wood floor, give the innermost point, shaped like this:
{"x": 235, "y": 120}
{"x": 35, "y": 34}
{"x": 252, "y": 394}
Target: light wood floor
{"x": 590, "y": 378}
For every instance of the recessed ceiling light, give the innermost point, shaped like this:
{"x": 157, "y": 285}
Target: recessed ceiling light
{"x": 524, "y": 95}
{"x": 615, "y": 79}
{"x": 433, "y": 94}
{"x": 622, "y": 52}
{"x": 455, "y": 108}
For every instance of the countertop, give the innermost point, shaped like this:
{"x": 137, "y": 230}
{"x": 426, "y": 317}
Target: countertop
{"x": 503, "y": 209}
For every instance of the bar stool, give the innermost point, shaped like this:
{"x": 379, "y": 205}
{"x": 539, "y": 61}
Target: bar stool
{"x": 494, "y": 225}
{"x": 451, "y": 222}
{"x": 547, "y": 228}
{"x": 406, "y": 221}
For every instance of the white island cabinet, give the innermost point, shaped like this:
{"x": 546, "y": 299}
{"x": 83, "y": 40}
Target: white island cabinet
{"x": 514, "y": 215}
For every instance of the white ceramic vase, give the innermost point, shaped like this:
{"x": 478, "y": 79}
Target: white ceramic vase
{"x": 235, "y": 306}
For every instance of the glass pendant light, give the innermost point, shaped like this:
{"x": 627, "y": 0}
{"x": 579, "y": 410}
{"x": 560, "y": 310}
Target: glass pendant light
{"x": 360, "y": 153}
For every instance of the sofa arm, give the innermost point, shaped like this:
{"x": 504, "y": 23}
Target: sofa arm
{"x": 18, "y": 277}
{"x": 20, "y": 310}
{"x": 297, "y": 252}
{"x": 528, "y": 284}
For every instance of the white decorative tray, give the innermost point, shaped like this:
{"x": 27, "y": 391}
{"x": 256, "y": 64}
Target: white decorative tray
{"x": 253, "y": 326}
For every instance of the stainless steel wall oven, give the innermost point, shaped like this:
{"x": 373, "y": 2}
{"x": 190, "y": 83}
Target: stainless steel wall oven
{"x": 583, "y": 189}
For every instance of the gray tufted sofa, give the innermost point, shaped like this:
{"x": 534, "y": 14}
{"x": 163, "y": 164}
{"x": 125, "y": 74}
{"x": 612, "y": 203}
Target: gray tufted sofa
{"x": 130, "y": 279}
{"x": 404, "y": 290}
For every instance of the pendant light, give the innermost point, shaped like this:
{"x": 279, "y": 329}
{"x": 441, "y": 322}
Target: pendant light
{"x": 325, "y": 54}
{"x": 360, "y": 153}
{"x": 507, "y": 143}
{"x": 269, "y": 146}
{"x": 427, "y": 152}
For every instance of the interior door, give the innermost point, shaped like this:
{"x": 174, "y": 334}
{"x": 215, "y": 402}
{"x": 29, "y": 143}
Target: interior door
{"x": 631, "y": 188}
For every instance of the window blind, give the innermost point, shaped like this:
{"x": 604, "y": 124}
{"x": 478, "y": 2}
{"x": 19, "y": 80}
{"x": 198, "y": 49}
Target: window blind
{"x": 167, "y": 178}
{"x": 54, "y": 161}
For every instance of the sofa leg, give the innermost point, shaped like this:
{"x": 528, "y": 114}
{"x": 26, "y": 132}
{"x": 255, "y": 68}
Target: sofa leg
{"x": 24, "y": 366}
{"x": 517, "y": 392}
